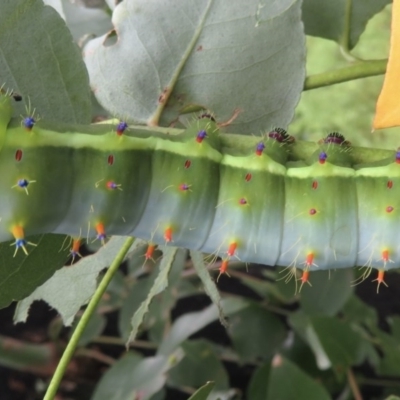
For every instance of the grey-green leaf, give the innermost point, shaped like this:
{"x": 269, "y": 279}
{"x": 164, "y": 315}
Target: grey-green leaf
{"x": 51, "y": 76}
{"x": 72, "y": 287}
{"x": 246, "y": 57}
{"x": 160, "y": 283}
{"x": 209, "y": 285}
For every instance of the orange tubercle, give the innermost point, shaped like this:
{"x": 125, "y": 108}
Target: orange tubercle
{"x": 76, "y": 244}
{"x": 380, "y": 279}
{"x": 305, "y": 278}
{"x": 168, "y": 235}
{"x": 232, "y": 249}
{"x": 101, "y": 232}
{"x": 18, "y": 232}
{"x": 150, "y": 250}
{"x": 309, "y": 260}
{"x": 385, "y": 256}
{"x": 223, "y": 269}
{"x": 74, "y": 252}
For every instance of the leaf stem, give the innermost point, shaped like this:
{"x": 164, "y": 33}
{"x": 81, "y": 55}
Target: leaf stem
{"x": 360, "y": 69}
{"x": 94, "y": 301}
{"x": 167, "y": 91}
{"x": 353, "y": 385}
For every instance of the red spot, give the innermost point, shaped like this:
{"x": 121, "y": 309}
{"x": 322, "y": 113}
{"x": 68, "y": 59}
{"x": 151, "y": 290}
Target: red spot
{"x": 110, "y": 159}
{"x": 389, "y": 209}
{"x": 314, "y": 184}
{"x": 389, "y": 184}
{"x": 231, "y": 249}
{"x": 242, "y": 201}
{"x": 312, "y": 211}
{"x": 150, "y": 250}
{"x": 188, "y": 163}
{"x": 248, "y": 177}
{"x": 168, "y": 235}
{"x": 184, "y": 187}
{"x": 18, "y": 155}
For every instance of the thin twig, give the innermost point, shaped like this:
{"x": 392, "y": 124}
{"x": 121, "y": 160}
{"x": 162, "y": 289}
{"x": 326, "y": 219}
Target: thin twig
{"x": 90, "y": 309}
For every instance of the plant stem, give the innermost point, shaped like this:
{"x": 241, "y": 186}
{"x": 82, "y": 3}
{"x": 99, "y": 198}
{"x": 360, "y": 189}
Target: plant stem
{"x": 70, "y": 349}
{"x": 360, "y": 69}
{"x": 353, "y": 385}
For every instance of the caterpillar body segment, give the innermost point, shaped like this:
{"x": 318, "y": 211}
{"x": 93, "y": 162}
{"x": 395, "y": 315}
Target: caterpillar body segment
{"x": 378, "y": 213}
{"x": 250, "y": 206}
{"x": 188, "y": 190}
{"x": 320, "y": 198}
{"x": 185, "y": 174}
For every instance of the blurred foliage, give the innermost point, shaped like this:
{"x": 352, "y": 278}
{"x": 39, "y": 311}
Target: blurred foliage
{"x": 348, "y": 107}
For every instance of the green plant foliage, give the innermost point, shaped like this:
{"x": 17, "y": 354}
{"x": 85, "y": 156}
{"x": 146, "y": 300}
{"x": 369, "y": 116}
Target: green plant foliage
{"x": 301, "y": 385}
{"x": 203, "y": 392}
{"x": 330, "y": 291}
{"x": 340, "y": 20}
{"x": 21, "y": 275}
{"x": 207, "y": 54}
{"x": 256, "y": 333}
{"x": 51, "y": 75}
{"x": 199, "y": 365}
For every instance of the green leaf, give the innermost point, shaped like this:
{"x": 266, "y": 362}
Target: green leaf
{"x": 258, "y": 386}
{"x": 287, "y": 381}
{"x": 52, "y": 75}
{"x": 390, "y": 346}
{"x": 136, "y": 296}
{"x": 82, "y": 20}
{"x": 160, "y": 283}
{"x": 330, "y": 19}
{"x": 159, "y": 315}
{"x": 116, "y": 383}
{"x": 21, "y": 275}
{"x": 203, "y": 392}
{"x": 199, "y": 364}
{"x": 247, "y": 57}
{"x": 209, "y": 285}
{"x": 333, "y": 341}
{"x": 132, "y": 377}
{"x": 329, "y": 292}
{"x": 256, "y": 332}
{"x": 71, "y": 287}
{"x": 190, "y": 323}
{"x": 340, "y": 342}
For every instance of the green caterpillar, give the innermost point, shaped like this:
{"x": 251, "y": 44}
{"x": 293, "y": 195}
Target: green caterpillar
{"x": 189, "y": 191}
